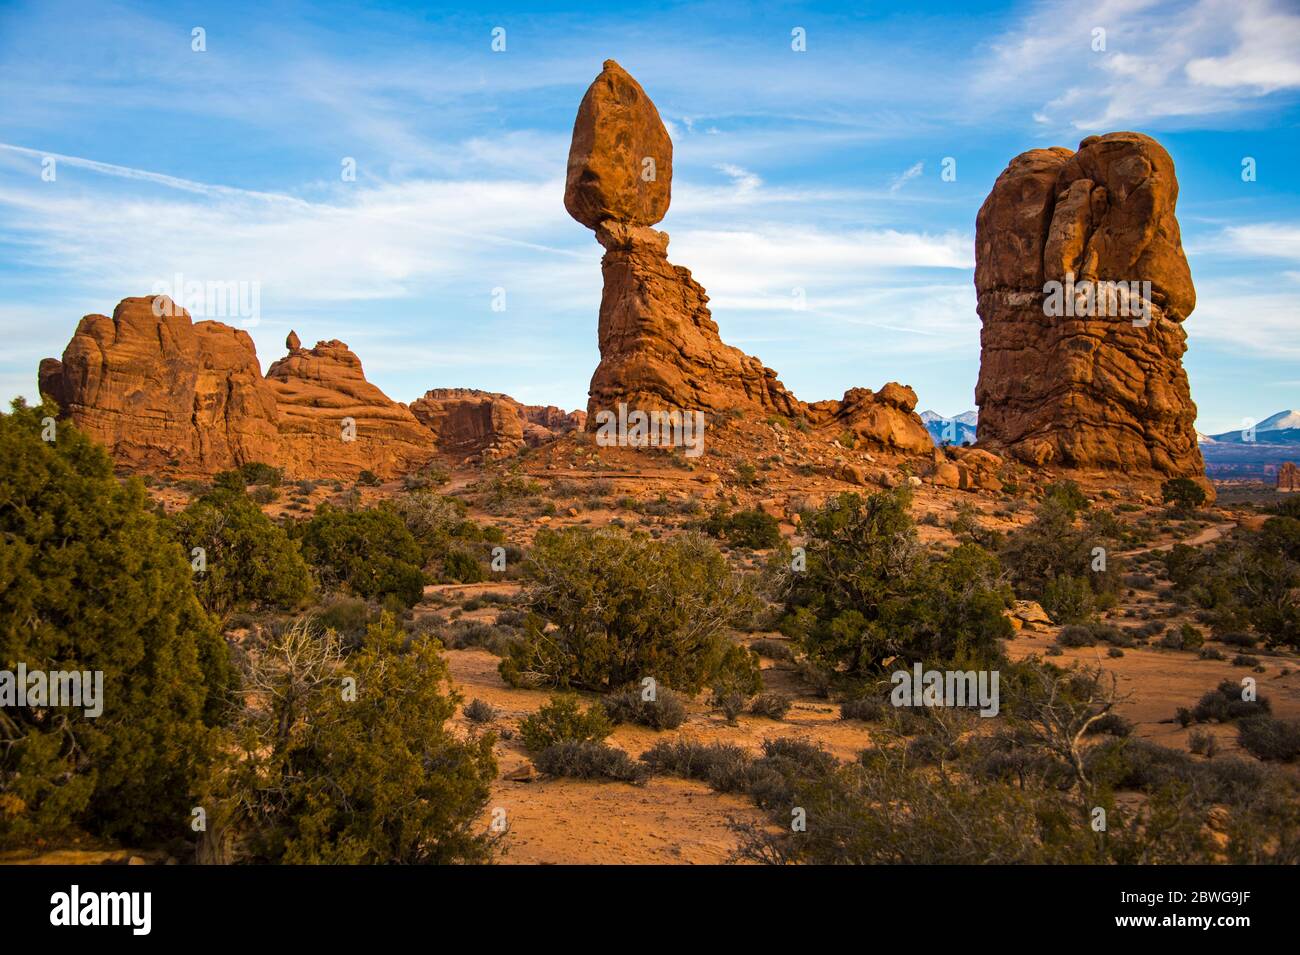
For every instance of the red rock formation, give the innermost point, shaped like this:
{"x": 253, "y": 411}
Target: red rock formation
{"x": 621, "y": 159}
{"x": 1288, "y": 476}
{"x": 472, "y": 422}
{"x": 1086, "y": 387}
{"x": 160, "y": 391}
{"x": 660, "y": 349}
{"x": 332, "y": 422}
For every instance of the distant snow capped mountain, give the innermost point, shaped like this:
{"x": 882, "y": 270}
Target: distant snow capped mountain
{"x": 1280, "y": 428}
{"x": 1283, "y": 420}
{"x": 959, "y": 429}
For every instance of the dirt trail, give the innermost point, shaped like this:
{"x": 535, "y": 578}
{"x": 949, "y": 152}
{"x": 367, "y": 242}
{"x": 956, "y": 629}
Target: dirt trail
{"x": 1205, "y": 536}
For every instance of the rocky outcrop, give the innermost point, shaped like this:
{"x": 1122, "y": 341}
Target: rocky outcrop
{"x": 333, "y": 422}
{"x": 159, "y": 391}
{"x": 883, "y": 419}
{"x": 1082, "y": 288}
{"x": 1288, "y": 476}
{"x": 162, "y": 392}
{"x": 472, "y": 422}
{"x": 660, "y": 349}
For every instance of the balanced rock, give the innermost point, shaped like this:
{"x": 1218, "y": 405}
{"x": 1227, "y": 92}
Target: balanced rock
{"x": 621, "y": 158}
{"x": 660, "y": 349}
{"x": 1082, "y": 288}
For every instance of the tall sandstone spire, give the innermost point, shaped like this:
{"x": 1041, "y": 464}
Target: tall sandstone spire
{"x": 1090, "y": 378}
{"x": 660, "y": 349}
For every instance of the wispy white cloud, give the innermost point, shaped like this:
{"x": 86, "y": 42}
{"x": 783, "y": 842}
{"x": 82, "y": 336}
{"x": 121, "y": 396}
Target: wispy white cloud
{"x": 906, "y": 176}
{"x": 1119, "y": 63}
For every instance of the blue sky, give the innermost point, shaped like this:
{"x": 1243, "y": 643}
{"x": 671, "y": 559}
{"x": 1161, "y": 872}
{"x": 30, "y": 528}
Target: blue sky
{"x": 818, "y": 170}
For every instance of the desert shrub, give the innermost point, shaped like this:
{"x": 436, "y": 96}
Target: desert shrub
{"x": 248, "y": 560}
{"x": 773, "y": 649}
{"x": 754, "y": 529}
{"x": 463, "y": 568}
{"x": 1270, "y": 739}
{"x": 1202, "y": 743}
{"x": 255, "y": 472}
{"x": 431, "y": 475}
{"x": 379, "y": 778}
{"x": 1076, "y": 636}
{"x": 880, "y": 810}
{"x": 1245, "y": 641}
{"x": 432, "y": 519}
{"x": 588, "y": 759}
{"x": 665, "y": 712}
{"x": 867, "y": 709}
{"x": 563, "y": 719}
{"x": 1224, "y": 703}
{"x": 772, "y": 705}
{"x": 1114, "y": 652}
{"x": 368, "y": 478}
{"x": 479, "y": 711}
{"x": 1069, "y": 597}
{"x": 349, "y": 617}
{"x": 1051, "y": 560}
{"x": 871, "y": 592}
{"x": 1250, "y": 580}
{"x": 91, "y": 579}
{"x": 625, "y": 607}
{"x": 1183, "y": 495}
{"x": 1186, "y": 637}
{"x": 462, "y": 634}
{"x": 1212, "y": 653}
{"x": 1245, "y": 660}
{"x": 503, "y": 489}
{"x": 264, "y": 495}
{"x": 746, "y": 474}
{"x": 723, "y": 766}
{"x": 1111, "y": 724}
{"x": 370, "y": 551}
{"x": 229, "y": 481}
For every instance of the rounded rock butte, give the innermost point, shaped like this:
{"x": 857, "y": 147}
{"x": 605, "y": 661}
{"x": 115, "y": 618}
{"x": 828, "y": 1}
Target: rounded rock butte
{"x": 1104, "y": 391}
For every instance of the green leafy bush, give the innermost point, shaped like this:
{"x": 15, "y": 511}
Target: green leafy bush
{"x": 754, "y": 529}
{"x": 248, "y": 560}
{"x": 1054, "y": 558}
{"x": 370, "y": 551}
{"x": 1183, "y": 495}
{"x": 375, "y": 777}
{"x": 870, "y": 592}
{"x": 563, "y": 719}
{"x": 624, "y": 607}
{"x": 92, "y": 580}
